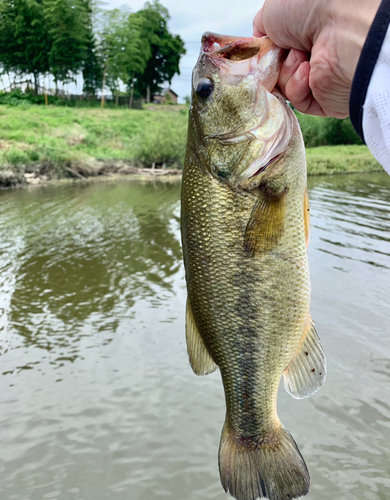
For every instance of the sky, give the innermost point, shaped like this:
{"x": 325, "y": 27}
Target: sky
{"x": 191, "y": 18}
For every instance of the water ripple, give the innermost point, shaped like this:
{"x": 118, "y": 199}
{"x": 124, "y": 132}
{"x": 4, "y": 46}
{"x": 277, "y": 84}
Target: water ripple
{"x": 98, "y": 399}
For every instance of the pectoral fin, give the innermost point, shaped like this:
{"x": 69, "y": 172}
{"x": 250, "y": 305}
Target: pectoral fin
{"x": 266, "y": 223}
{"x": 200, "y": 360}
{"x": 307, "y": 371}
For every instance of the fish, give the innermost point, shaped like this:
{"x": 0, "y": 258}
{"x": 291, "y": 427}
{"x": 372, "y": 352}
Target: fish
{"x": 245, "y": 223}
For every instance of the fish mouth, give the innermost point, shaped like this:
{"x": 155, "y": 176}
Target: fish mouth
{"x": 230, "y": 47}
{"x": 244, "y": 56}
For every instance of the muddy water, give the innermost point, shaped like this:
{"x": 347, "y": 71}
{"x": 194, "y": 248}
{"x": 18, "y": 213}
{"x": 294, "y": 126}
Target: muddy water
{"x": 97, "y": 400}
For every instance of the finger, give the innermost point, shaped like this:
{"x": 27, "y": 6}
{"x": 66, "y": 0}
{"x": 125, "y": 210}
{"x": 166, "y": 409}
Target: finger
{"x": 289, "y": 67}
{"x": 258, "y": 27}
{"x": 272, "y": 21}
{"x": 298, "y": 92}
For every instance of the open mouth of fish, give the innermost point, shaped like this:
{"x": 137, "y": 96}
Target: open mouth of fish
{"x": 270, "y": 125}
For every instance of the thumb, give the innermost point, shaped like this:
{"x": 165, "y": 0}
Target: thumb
{"x": 258, "y": 26}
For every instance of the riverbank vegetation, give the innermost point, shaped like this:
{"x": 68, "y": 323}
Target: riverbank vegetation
{"x": 58, "y": 142}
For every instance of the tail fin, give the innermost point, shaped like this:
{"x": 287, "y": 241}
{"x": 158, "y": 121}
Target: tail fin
{"x": 268, "y": 466}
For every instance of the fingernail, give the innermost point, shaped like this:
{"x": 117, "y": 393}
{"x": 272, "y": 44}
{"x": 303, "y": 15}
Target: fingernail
{"x": 299, "y": 74}
{"x": 291, "y": 59}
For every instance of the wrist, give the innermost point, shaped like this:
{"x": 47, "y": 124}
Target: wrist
{"x": 352, "y": 23}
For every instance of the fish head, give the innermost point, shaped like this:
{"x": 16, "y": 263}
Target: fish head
{"x": 240, "y": 122}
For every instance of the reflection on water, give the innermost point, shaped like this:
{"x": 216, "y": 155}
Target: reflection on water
{"x": 97, "y": 397}
{"x": 84, "y": 257}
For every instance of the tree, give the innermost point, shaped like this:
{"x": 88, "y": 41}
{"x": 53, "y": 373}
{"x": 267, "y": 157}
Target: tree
{"x": 44, "y": 36}
{"x": 166, "y": 49}
{"x": 123, "y": 51}
{"x": 67, "y": 23}
{"x": 92, "y": 68}
{"x": 23, "y": 38}
{"x": 92, "y": 65}
{"x": 7, "y": 31}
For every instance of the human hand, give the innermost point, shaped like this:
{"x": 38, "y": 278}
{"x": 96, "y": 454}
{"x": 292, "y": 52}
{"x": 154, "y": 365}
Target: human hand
{"x": 325, "y": 38}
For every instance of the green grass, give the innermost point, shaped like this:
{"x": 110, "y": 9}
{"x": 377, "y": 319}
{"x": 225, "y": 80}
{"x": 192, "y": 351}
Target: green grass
{"x": 57, "y": 134}
{"x": 327, "y": 160}
{"x": 57, "y": 141}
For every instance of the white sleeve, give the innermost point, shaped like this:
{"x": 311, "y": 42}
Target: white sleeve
{"x": 376, "y": 108}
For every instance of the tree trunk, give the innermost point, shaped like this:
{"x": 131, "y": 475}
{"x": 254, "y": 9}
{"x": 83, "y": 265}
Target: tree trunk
{"x": 148, "y": 93}
{"x": 35, "y": 82}
{"x": 103, "y": 85}
{"x": 116, "y": 99}
{"x": 131, "y": 94}
{"x": 56, "y": 83}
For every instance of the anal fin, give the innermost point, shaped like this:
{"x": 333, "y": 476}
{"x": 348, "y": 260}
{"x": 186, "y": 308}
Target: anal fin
{"x": 307, "y": 371}
{"x": 200, "y": 360}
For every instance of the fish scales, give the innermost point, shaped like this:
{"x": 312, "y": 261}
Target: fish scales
{"x": 241, "y": 303}
{"x": 250, "y": 307}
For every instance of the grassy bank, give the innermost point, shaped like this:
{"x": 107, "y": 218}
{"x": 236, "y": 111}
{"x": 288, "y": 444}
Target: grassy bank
{"x": 64, "y": 142}
{"x": 329, "y": 160}
{"x": 57, "y": 142}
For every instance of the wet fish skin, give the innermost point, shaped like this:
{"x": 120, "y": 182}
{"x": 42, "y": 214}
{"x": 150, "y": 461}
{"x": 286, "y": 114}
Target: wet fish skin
{"x": 246, "y": 263}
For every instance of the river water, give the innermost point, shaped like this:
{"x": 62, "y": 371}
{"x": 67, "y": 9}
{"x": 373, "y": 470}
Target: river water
{"x": 97, "y": 399}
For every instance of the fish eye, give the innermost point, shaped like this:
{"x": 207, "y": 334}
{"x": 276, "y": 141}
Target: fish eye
{"x": 204, "y": 88}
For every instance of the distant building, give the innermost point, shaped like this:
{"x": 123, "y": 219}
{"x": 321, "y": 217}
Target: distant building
{"x": 166, "y": 95}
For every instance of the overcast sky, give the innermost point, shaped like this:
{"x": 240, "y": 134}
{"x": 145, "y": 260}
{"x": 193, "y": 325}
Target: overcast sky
{"x": 190, "y": 19}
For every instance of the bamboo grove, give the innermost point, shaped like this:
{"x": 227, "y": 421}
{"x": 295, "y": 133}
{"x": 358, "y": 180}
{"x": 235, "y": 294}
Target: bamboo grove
{"x": 66, "y": 38}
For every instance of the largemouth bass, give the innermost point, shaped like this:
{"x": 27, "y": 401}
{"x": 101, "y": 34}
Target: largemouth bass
{"x": 245, "y": 230}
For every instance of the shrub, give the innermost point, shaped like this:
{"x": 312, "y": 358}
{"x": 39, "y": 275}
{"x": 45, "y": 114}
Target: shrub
{"x": 319, "y": 131}
{"x": 163, "y": 143}
{"x": 16, "y": 157}
{"x": 33, "y": 155}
